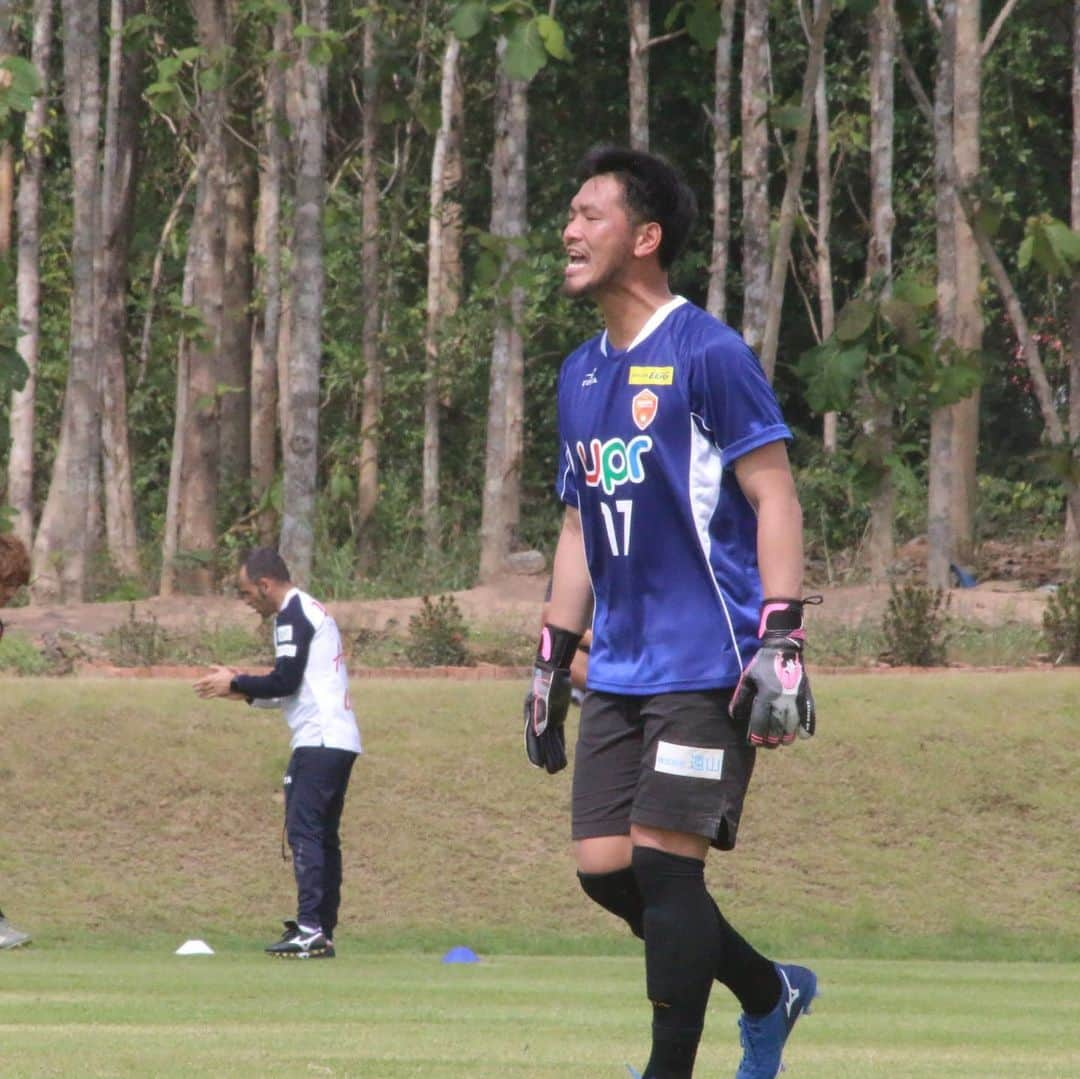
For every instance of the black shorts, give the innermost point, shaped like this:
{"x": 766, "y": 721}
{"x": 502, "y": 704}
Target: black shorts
{"x": 672, "y": 760}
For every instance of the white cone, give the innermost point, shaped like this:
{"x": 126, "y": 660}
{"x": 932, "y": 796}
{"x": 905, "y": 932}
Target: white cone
{"x": 194, "y": 947}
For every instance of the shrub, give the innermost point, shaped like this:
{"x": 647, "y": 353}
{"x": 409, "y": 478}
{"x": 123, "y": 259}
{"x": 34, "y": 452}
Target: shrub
{"x": 915, "y": 626}
{"x": 19, "y": 656}
{"x": 138, "y": 642}
{"x": 1061, "y": 622}
{"x": 437, "y": 635}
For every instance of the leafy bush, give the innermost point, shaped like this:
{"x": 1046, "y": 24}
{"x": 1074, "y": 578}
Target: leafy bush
{"x": 1061, "y": 622}
{"x": 19, "y": 656}
{"x": 915, "y": 626}
{"x": 437, "y": 635}
{"x": 1018, "y": 508}
{"x": 138, "y": 642}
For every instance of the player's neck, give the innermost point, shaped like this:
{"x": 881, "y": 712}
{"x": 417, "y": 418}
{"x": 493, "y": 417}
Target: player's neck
{"x": 629, "y": 306}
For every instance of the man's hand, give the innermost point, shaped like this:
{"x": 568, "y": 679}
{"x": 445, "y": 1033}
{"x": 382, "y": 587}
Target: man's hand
{"x": 548, "y": 699}
{"x": 773, "y": 696}
{"x": 218, "y": 683}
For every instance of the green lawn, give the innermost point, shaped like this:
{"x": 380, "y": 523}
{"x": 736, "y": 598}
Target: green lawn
{"x": 91, "y": 1012}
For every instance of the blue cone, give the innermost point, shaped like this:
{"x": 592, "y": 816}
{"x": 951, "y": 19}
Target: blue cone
{"x": 964, "y": 579}
{"x": 461, "y": 954}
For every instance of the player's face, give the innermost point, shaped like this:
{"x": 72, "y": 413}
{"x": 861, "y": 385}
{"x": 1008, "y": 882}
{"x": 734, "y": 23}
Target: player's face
{"x": 598, "y": 237}
{"x": 255, "y": 593}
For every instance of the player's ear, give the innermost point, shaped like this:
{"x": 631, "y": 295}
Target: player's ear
{"x": 648, "y": 239}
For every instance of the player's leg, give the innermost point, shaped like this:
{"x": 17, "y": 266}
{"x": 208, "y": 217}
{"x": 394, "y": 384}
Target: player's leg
{"x": 606, "y": 765}
{"x": 338, "y": 776}
{"x": 305, "y": 807}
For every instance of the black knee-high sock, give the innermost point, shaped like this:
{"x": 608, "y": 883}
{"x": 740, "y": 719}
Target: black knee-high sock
{"x": 746, "y": 972}
{"x": 682, "y": 942}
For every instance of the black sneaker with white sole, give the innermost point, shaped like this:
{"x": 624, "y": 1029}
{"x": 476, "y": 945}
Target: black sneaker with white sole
{"x": 299, "y": 943}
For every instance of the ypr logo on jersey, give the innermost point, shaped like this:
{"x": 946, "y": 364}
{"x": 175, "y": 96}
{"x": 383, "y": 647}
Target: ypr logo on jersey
{"x": 614, "y": 462}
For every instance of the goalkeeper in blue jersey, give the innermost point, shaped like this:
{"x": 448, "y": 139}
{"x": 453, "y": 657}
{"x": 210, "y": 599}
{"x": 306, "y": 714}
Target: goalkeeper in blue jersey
{"x": 681, "y": 549}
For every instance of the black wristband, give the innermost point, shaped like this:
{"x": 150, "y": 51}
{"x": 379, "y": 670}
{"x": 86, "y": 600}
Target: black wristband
{"x": 557, "y": 647}
{"x": 233, "y": 687}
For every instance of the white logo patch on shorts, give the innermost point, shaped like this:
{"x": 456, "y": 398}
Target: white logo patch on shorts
{"x": 284, "y": 633}
{"x": 699, "y": 762}
{"x": 288, "y": 650}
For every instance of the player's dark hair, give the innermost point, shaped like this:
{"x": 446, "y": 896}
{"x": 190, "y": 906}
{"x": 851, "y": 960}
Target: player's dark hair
{"x": 654, "y": 191}
{"x": 265, "y": 562}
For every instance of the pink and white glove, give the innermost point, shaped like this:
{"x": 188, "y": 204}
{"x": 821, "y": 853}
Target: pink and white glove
{"x": 773, "y": 696}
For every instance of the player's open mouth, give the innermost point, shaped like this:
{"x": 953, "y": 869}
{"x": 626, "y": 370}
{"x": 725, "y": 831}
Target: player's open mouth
{"x": 574, "y": 261}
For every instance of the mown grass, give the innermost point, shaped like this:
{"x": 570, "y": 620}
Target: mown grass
{"x": 118, "y": 1013}
{"x": 933, "y": 816}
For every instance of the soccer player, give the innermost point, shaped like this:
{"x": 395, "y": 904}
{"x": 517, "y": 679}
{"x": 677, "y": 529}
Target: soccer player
{"x": 310, "y": 684}
{"x": 683, "y": 535}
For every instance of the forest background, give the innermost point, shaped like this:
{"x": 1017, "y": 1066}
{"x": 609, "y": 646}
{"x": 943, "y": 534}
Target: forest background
{"x": 290, "y": 273}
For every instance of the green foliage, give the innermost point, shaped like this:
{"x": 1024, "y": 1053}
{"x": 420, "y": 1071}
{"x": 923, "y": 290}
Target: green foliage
{"x": 438, "y": 635}
{"x": 138, "y": 642}
{"x": 1051, "y": 245}
{"x": 1061, "y": 622}
{"x": 1018, "y": 509}
{"x": 19, "y": 85}
{"x": 532, "y": 36}
{"x": 916, "y": 626}
{"x": 19, "y": 655}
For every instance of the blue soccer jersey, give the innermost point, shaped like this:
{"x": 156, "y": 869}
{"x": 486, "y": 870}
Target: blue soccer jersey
{"x": 648, "y": 439}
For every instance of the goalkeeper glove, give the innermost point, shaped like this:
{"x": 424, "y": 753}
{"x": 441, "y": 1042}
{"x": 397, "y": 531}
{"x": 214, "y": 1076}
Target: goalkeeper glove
{"x": 773, "y": 696}
{"x": 548, "y": 699}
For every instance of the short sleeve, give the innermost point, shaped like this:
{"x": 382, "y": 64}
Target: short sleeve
{"x": 565, "y": 477}
{"x": 732, "y": 400}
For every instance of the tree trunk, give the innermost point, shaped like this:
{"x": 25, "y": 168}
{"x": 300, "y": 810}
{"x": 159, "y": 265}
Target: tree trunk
{"x": 1072, "y": 522}
{"x": 442, "y": 294}
{"x": 502, "y": 458}
{"x": 638, "y": 81}
{"x": 790, "y": 204}
{"x": 301, "y": 444}
{"x": 198, "y": 495}
{"x": 371, "y": 409}
{"x": 878, "y": 419}
{"x": 121, "y": 162}
{"x": 755, "y": 171}
{"x": 939, "y": 520}
{"x": 716, "y": 304}
{"x": 267, "y": 322}
{"x": 28, "y": 283}
{"x": 966, "y": 90}
{"x": 170, "y": 539}
{"x": 235, "y": 365}
{"x": 823, "y": 257}
{"x": 59, "y": 554}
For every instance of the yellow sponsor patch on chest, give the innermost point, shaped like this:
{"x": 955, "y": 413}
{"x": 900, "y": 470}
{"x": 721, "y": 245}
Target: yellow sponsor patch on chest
{"x": 651, "y": 376}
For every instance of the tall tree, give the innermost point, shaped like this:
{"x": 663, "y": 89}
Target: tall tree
{"x": 969, "y": 321}
{"x": 638, "y": 73}
{"x": 877, "y": 418}
{"x": 940, "y": 495}
{"x": 789, "y": 205}
{"x": 300, "y": 441}
{"x": 28, "y": 281}
{"x": 716, "y": 304}
{"x": 119, "y": 177}
{"x": 1072, "y": 530}
{"x": 268, "y": 287}
{"x": 444, "y": 269}
{"x": 502, "y": 458}
{"x": 371, "y": 407}
{"x": 59, "y": 563}
{"x": 199, "y": 466}
{"x": 754, "y": 142}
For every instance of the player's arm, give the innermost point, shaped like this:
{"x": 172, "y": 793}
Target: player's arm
{"x": 773, "y": 695}
{"x": 567, "y": 615}
{"x": 292, "y": 644}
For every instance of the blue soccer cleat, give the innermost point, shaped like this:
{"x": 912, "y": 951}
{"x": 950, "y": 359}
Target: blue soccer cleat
{"x": 763, "y": 1037}
{"x": 634, "y": 1073}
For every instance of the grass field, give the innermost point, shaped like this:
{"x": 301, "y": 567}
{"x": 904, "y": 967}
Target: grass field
{"x": 92, "y": 1012}
{"x": 933, "y": 818}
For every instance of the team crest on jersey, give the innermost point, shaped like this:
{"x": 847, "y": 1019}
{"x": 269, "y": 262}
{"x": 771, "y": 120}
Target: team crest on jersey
{"x": 644, "y": 408}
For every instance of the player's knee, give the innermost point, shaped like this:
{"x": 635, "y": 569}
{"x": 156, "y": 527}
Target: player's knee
{"x": 616, "y": 892}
